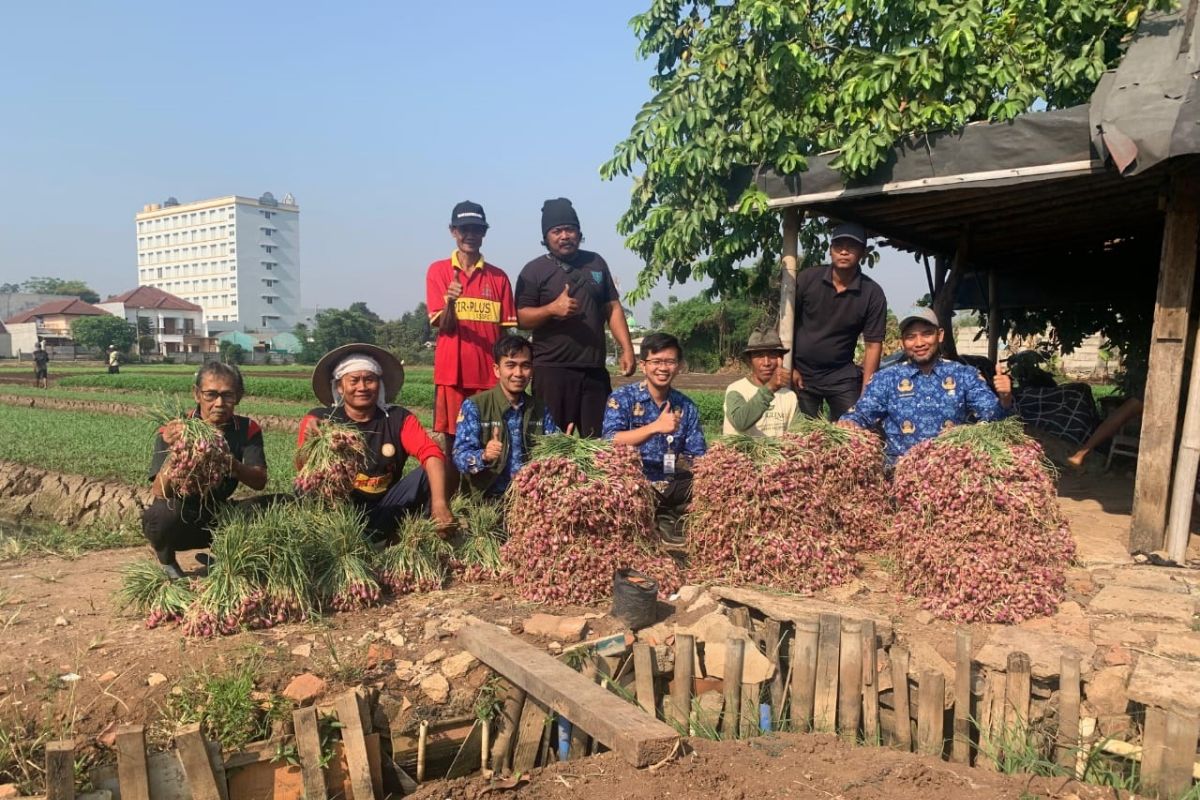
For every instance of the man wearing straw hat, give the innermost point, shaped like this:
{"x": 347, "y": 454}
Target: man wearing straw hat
{"x": 356, "y": 383}
{"x": 762, "y": 404}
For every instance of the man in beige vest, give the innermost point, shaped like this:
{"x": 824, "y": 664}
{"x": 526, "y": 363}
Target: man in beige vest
{"x": 762, "y": 404}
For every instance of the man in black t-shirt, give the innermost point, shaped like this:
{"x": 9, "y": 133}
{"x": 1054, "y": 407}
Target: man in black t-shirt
{"x": 835, "y": 304}
{"x": 41, "y": 366}
{"x": 566, "y": 297}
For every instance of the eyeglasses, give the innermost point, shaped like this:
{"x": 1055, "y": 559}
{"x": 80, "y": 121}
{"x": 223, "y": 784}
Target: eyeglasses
{"x": 661, "y": 362}
{"x": 211, "y": 396}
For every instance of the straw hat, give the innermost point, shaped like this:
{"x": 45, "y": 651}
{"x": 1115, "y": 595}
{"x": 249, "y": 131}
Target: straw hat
{"x": 393, "y": 370}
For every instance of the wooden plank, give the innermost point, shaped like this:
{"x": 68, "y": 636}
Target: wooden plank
{"x": 202, "y": 783}
{"x": 681, "y": 689}
{"x": 637, "y": 737}
{"x": 931, "y": 699}
{"x": 1017, "y": 695}
{"x": 991, "y": 721}
{"x": 734, "y": 656}
{"x": 506, "y": 727}
{"x": 900, "y": 658}
{"x": 1154, "y": 740}
{"x": 960, "y": 748}
{"x": 131, "y": 763}
{"x": 825, "y": 697}
{"x": 466, "y": 760}
{"x": 740, "y": 617}
{"x": 60, "y": 770}
{"x": 774, "y": 635}
{"x": 850, "y": 671}
{"x": 804, "y": 674}
{"x": 579, "y": 738}
{"x": 1179, "y": 754}
{"x": 751, "y": 714}
{"x": 870, "y": 679}
{"x": 1164, "y": 379}
{"x": 643, "y": 675}
{"x": 354, "y": 741}
{"x": 530, "y": 733}
{"x": 308, "y": 748}
{"x": 1068, "y": 711}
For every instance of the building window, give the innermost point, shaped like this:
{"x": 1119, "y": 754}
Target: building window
{"x": 268, "y": 248}
{"x": 267, "y": 232}
{"x": 270, "y": 301}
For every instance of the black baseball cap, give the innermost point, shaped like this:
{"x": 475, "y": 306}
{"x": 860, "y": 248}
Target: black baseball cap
{"x": 468, "y": 213}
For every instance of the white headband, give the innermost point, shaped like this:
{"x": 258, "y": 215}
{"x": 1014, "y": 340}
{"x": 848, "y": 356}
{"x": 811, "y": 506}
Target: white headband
{"x": 356, "y": 363}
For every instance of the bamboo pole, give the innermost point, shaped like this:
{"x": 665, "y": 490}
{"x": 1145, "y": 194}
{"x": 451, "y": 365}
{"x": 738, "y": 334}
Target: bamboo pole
{"x": 787, "y": 282}
{"x": 681, "y": 691}
{"x": 735, "y": 652}
{"x": 993, "y": 317}
{"x": 1179, "y": 521}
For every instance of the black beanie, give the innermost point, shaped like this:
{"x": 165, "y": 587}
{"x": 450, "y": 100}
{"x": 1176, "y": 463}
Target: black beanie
{"x": 558, "y": 211}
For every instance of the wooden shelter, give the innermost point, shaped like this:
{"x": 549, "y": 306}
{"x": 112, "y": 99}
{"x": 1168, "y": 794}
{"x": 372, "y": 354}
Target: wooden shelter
{"x": 1040, "y": 209}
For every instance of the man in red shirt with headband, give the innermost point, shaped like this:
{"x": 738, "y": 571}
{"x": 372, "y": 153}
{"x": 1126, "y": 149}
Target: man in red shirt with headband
{"x": 470, "y": 303}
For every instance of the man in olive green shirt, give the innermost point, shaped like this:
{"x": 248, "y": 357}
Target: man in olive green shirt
{"x": 762, "y": 404}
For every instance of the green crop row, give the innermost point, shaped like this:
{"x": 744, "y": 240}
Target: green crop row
{"x": 298, "y": 390}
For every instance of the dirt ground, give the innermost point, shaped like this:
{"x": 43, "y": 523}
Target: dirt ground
{"x": 787, "y": 765}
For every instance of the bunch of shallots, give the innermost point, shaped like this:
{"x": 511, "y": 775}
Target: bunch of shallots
{"x": 978, "y": 532}
{"x": 331, "y": 457}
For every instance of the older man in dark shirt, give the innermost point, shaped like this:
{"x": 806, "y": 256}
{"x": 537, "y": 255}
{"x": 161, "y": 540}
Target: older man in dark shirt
{"x": 835, "y": 304}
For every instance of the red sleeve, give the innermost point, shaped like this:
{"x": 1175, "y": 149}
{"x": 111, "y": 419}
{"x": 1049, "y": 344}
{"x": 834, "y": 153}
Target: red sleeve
{"x": 416, "y": 441}
{"x": 304, "y": 423}
{"x": 435, "y": 289}
{"x": 508, "y": 308}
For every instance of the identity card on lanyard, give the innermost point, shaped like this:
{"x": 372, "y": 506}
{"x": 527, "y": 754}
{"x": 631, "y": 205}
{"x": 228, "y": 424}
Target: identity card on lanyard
{"x": 669, "y": 457}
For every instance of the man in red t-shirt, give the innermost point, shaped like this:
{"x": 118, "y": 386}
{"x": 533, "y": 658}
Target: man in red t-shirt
{"x": 470, "y": 303}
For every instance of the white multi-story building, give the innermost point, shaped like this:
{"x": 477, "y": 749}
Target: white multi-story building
{"x": 233, "y": 256}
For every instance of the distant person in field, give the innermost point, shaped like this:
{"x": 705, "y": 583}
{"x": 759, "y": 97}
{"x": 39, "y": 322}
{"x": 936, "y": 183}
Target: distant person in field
{"x": 172, "y": 524}
{"x": 923, "y": 396}
{"x": 497, "y": 428}
{"x": 761, "y": 404}
{"x": 471, "y": 304}
{"x": 114, "y": 360}
{"x": 356, "y": 383}
{"x": 566, "y": 297}
{"x": 664, "y": 425}
{"x": 41, "y": 366}
{"x": 835, "y": 305}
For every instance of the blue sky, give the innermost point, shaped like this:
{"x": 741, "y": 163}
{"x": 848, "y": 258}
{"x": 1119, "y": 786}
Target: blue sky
{"x": 378, "y": 117}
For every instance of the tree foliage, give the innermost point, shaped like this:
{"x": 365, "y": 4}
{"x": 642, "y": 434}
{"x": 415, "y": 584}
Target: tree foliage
{"x": 102, "y": 330}
{"x": 72, "y": 288}
{"x": 406, "y": 336}
{"x": 712, "y": 333}
{"x": 336, "y": 327}
{"x": 772, "y": 82}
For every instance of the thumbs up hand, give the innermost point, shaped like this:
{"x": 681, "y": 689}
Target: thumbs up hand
{"x": 668, "y": 420}
{"x": 564, "y": 305}
{"x": 494, "y": 447}
{"x": 454, "y": 290}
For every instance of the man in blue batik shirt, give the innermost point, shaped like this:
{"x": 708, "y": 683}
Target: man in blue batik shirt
{"x": 664, "y": 425}
{"x": 496, "y": 428}
{"x": 918, "y": 399}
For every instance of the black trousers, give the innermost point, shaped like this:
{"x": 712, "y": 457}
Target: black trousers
{"x": 172, "y": 526}
{"x": 409, "y": 495}
{"x": 574, "y": 396}
{"x": 839, "y": 397}
{"x": 671, "y": 503}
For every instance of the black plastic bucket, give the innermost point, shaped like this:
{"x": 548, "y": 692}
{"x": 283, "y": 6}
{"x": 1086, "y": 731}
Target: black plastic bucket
{"x": 635, "y": 598}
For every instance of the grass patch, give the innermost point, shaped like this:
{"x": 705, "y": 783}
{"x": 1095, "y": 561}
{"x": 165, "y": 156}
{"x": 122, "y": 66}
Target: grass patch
{"x": 299, "y": 390}
{"x": 17, "y": 540}
{"x": 227, "y": 705}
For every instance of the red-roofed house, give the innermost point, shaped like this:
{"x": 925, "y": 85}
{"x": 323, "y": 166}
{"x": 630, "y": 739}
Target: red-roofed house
{"x": 176, "y": 324}
{"x": 49, "y": 323}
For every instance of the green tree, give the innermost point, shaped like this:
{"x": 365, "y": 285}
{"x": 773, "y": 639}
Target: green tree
{"x": 59, "y": 286}
{"x": 9, "y": 288}
{"x": 102, "y": 330}
{"x": 747, "y": 83}
{"x": 336, "y": 327}
{"x": 406, "y": 336}
{"x": 308, "y": 349}
{"x": 231, "y": 352}
{"x": 712, "y": 332}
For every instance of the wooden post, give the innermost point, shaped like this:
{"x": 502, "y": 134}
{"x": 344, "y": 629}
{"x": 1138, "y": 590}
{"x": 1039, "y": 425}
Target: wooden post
{"x": 850, "y": 680}
{"x": 681, "y": 691}
{"x": 60, "y": 770}
{"x": 825, "y": 698}
{"x": 900, "y": 657}
{"x": 1068, "y": 710}
{"x": 131, "y": 763}
{"x": 804, "y": 674}
{"x": 931, "y": 698}
{"x": 774, "y": 645}
{"x": 354, "y": 743}
{"x": 1179, "y": 754}
{"x": 991, "y": 722}
{"x": 193, "y": 753}
{"x": 1179, "y": 519}
{"x": 734, "y": 656}
{"x": 787, "y": 282}
{"x": 506, "y": 727}
{"x": 870, "y": 679}
{"x": 1017, "y": 695}
{"x": 960, "y": 748}
{"x": 943, "y": 299}
{"x": 993, "y": 318}
{"x": 643, "y": 675}
{"x": 530, "y": 732}
{"x": 1154, "y": 739}
{"x": 308, "y": 748}
{"x": 1164, "y": 379}
{"x": 739, "y": 616}
{"x": 422, "y": 745}
{"x": 579, "y": 737}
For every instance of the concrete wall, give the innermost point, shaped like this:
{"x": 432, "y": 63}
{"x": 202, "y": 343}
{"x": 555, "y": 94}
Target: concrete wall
{"x": 1086, "y": 361}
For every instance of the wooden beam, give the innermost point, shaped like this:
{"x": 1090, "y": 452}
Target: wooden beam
{"x": 787, "y": 281}
{"x": 735, "y": 653}
{"x": 60, "y": 770}
{"x": 900, "y": 659}
{"x": 131, "y": 763}
{"x": 681, "y": 689}
{"x": 825, "y": 699}
{"x": 804, "y": 674}
{"x": 1068, "y": 710}
{"x": 308, "y": 747}
{"x": 960, "y": 748}
{"x": 850, "y": 671}
{"x": 931, "y": 698}
{"x": 643, "y": 676}
{"x": 636, "y": 736}
{"x": 354, "y": 741}
{"x": 1164, "y": 380}
{"x": 870, "y": 681}
{"x": 202, "y": 783}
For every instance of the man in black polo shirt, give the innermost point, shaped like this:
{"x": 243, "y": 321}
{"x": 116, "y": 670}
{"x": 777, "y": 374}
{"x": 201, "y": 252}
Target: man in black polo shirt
{"x": 566, "y": 297}
{"x": 835, "y": 304}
